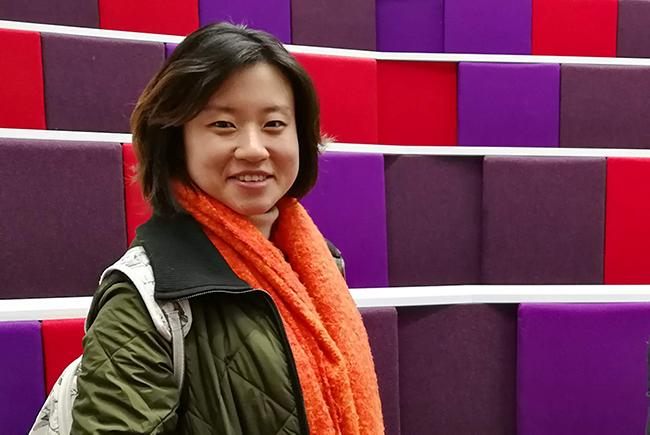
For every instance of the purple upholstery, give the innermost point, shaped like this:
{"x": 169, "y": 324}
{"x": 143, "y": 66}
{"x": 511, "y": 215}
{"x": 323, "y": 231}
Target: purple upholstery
{"x": 169, "y": 48}
{"x": 410, "y": 25}
{"x": 605, "y": 106}
{"x": 334, "y": 23}
{"x": 349, "y": 208}
{"x": 381, "y": 325}
{"x": 457, "y": 368}
{"x": 21, "y": 375}
{"x": 433, "y": 217}
{"x": 543, "y": 220}
{"x": 488, "y": 26}
{"x": 93, "y": 84}
{"x": 582, "y": 368}
{"x": 272, "y": 16}
{"x": 633, "y": 39}
{"x": 508, "y": 104}
{"x": 62, "y": 219}
{"x": 78, "y": 13}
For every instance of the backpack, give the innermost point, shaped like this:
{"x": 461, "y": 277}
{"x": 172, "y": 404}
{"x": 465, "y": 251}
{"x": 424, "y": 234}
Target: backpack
{"x": 173, "y": 319}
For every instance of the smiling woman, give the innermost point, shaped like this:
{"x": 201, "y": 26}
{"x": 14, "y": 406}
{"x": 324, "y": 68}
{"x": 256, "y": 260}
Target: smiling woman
{"x": 242, "y": 149}
{"x": 230, "y": 312}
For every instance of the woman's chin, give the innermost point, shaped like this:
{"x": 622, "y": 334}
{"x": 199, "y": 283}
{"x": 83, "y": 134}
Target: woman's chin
{"x": 252, "y": 209}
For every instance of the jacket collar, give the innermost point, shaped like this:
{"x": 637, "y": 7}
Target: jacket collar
{"x": 185, "y": 262}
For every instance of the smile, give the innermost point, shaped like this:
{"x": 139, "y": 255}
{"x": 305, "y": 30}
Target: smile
{"x": 252, "y": 178}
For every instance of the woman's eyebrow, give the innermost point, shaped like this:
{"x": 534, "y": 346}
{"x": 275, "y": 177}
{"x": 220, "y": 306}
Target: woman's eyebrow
{"x": 279, "y": 108}
{"x": 219, "y": 108}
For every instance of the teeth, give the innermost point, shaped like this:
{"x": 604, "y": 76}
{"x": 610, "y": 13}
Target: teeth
{"x": 251, "y": 178}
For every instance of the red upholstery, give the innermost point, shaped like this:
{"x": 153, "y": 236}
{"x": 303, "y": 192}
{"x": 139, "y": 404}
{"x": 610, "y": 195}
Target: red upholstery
{"x": 575, "y": 28}
{"x": 417, "y": 103}
{"x": 169, "y": 17}
{"x": 137, "y": 210}
{"x": 347, "y": 88}
{"x": 61, "y": 345}
{"x": 627, "y": 233}
{"x": 21, "y": 76}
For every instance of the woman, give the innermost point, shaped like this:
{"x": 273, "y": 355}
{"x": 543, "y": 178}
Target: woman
{"x": 227, "y": 136}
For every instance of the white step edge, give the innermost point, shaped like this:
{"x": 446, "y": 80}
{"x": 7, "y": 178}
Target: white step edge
{"x": 12, "y": 133}
{"x": 77, "y": 307}
{"x": 364, "y": 54}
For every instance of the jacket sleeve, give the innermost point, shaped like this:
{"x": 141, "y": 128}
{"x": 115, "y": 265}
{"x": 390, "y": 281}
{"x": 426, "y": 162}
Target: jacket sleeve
{"x": 126, "y": 383}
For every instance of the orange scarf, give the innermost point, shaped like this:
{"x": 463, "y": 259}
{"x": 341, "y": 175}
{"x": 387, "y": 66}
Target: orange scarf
{"x": 324, "y": 328}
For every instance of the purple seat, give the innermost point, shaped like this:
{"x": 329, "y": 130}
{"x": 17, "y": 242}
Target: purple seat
{"x": 348, "y": 206}
{"x": 605, "y": 106}
{"x": 169, "y": 48}
{"x": 508, "y": 104}
{"x": 543, "y": 220}
{"x": 433, "y": 217}
{"x": 272, "y": 16}
{"x": 381, "y": 324}
{"x": 582, "y": 368}
{"x": 457, "y": 368}
{"x": 93, "y": 84}
{"x": 78, "y": 13}
{"x": 493, "y": 26}
{"x": 21, "y": 376}
{"x": 62, "y": 219}
{"x": 410, "y": 25}
{"x": 633, "y": 38}
{"x": 334, "y": 23}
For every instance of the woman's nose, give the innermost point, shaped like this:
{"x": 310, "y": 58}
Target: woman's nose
{"x": 251, "y": 147}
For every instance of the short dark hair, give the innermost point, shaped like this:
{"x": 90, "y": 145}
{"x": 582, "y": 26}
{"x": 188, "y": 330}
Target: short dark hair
{"x": 180, "y": 90}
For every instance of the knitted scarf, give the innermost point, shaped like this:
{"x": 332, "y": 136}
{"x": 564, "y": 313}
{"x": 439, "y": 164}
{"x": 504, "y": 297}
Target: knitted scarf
{"x": 327, "y": 337}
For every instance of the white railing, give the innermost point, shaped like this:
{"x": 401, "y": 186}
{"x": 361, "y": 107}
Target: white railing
{"x": 77, "y": 307}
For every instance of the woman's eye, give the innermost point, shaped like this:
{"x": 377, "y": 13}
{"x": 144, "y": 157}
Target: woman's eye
{"x": 223, "y": 124}
{"x": 275, "y": 124}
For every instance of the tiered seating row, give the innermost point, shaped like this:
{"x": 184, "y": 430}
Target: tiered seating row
{"x": 410, "y": 220}
{"x": 489, "y": 369}
{"x": 400, "y": 102}
{"x": 548, "y": 27}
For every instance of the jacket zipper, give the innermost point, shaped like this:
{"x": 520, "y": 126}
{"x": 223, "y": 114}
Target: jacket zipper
{"x": 293, "y": 370}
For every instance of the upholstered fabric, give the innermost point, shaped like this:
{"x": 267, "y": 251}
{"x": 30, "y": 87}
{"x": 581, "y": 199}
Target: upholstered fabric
{"x": 335, "y": 23}
{"x": 488, "y": 26}
{"x": 543, "y": 220}
{"x": 627, "y": 234}
{"x": 347, "y": 90}
{"x": 416, "y": 103}
{"x": 272, "y": 16}
{"x": 604, "y": 106}
{"x": 63, "y": 216}
{"x": 582, "y": 368}
{"x": 93, "y": 84}
{"x": 574, "y": 28}
{"x": 21, "y": 375}
{"x": 457, "y": 368}
{"x": 433, "y": 215}
{"x": 348, "y": 205}
{"x": 410, "y": 25}
{"x": 508, "y": 104}
{"x": 21, "y": 76}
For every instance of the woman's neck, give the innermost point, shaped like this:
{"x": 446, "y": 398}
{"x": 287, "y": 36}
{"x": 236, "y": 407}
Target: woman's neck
{"x": 264, "y": 222}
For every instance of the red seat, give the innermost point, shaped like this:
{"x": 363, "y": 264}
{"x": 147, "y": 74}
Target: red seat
{"x": 21, "y": 75}
{"x": 62, "y": 344}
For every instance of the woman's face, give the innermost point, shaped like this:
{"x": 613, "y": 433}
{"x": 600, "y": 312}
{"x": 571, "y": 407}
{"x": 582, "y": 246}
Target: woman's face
{"x": 242, "y": 149}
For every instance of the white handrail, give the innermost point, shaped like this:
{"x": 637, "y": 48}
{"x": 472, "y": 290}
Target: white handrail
{"x": 77, "y": 307}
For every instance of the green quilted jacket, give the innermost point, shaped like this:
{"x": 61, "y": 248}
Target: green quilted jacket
{"x": 240, "y": 376}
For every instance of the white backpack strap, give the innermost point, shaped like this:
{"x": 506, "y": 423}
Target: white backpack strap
{"x": 173, "y": 319}
{"x": 136, "y": 266}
